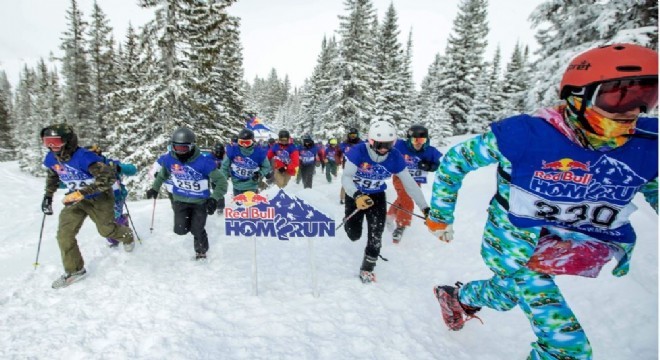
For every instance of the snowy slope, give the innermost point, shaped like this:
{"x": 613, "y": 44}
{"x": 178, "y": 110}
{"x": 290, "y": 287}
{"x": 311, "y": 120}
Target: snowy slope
{"x": 156, "y": 303}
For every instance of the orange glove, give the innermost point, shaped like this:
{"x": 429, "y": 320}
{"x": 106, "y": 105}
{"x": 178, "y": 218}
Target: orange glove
{"x": 73, "y": 198}
{"x": 444, "y": 232}
{"x": 363, "y": 202}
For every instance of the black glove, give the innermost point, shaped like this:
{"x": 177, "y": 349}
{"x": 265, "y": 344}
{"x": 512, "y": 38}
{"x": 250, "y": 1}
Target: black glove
{"x": 282, "y": 169}
{"x": 255, "y": 176}
{"x": 269, "y": 176}
{"x": 47, "y": 205}
{"x": 426, "y": 212}
{"x": 211, "y": 205}
{"x": 221, "y": 203}
{"x": 424, "y": 165}
{"x": 152, "y": 194}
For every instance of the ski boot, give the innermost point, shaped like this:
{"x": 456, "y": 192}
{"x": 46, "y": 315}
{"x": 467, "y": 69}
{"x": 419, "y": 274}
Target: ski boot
{"x": 200, "y": 256}
{"x": 397, "y": 234}
{"x": 454, "y": 313}
{"x": 68, "y": 279}
{"x": 367, "y": 274}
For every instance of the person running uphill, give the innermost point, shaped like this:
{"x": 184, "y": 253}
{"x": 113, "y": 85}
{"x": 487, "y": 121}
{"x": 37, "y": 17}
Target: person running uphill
{"x": 245, "y": 164}
{"x": 89, "y": 183}
{"x": 367, "y": 168}
{"x": 193, "y": 201}
{"x": 566, "y": 179}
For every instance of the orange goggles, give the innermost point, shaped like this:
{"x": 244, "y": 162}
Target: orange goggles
{"x": 245, "y": 142}
{"x": 418, "y": 141}
{"x": 53, "y": 142}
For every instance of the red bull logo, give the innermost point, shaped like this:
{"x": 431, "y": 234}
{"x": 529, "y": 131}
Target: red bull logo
{"x": 177, "y": 169}
{"x": 59, "y": 169}
{"x": 365, "y": 167}
{"x": 247, "y": 201}
{"x": 566, "y": 164}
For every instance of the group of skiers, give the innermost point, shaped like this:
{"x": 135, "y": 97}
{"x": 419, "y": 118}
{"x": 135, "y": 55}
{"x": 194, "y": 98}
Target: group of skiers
{"x": 565, "y": 181}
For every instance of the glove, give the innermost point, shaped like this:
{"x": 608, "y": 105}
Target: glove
{"x": 221, "y": 203}
{"x": 269, "y": 176}
{"x": 442, "y": 231}
{"x": 47, "y": 205}
{"x": 363, "y": 202}
{"x": 282, "y": 169}
{"x": 424, "y": 165}
{"x": 152, "y": 194}
{"x": 72, "y": 198}
{"x": 255, "y": 176}
{"x": 426, "y": 212}
{"x": 211, "y": 205}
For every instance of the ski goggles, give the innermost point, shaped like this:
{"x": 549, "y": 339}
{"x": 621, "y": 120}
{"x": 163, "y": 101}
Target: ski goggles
{"x": 620, "y": 96}
{"x": 245, "y": 142}
{"x": 53, "y": 142}
{"x": 381, "y": 145}
{"x": 182, "y": 148}
{"x": 284, "y": 140}
{"x": 352, "y": 136}
{"x": 418, "y": 140}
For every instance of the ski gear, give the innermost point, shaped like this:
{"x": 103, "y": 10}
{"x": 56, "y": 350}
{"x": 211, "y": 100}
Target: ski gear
{"x": 343, "y": 222}
{"x": 54, "y": 143}
{"x": 442, "y": 231}
{"x": 367, "y": 277}
{"x": 382, "y": 135}
{"x": 397, "y": 234}
{"x": 332, "y": 141}
{"x": 128, "y": 247}
{"x": 368, "y": 263}
{"x": 47, "y": 205}
{"x": 153, "y": 215}
{"x": 454, "y": 314}
{"x": 69, "y": 278}
{"x": 621, "y": 96}
{"x": 610, "y": 62}
{"x": 219, "y": 150}
{"x": 152, "y": 194}
{"x": 41, "y": 236}
{"x": 363, "y": 201}
{"x": 183, "y": 135}
{"x": 424, "y": 165}
{"x": 200, "y": 256}
{"x": 211, "y": 205}
{"x": 72, "y": 198}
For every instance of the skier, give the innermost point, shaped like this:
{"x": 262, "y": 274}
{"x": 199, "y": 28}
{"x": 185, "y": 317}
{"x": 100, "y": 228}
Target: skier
{"x": 309, "y": 158}
{"x": 566, "y": 178}
{"x": 218, "y": 155}
{"x": 89, "y": 183}
{"x": 245, "y": 164}
{"x": 366, "y": 170}
{"x": 190, "y": 173}
{"x": 420, "y": 158}
{"x": 119, "y": 189}
{"x": 352, "y": 139}
{"x": 285, "y": 159}
{"x": 332, "y": 158}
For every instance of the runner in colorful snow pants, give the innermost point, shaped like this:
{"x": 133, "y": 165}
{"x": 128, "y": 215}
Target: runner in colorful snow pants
{"x": 565, "y": 181}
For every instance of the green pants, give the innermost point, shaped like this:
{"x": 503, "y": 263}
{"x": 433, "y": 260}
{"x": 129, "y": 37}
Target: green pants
{"x": 101, "y": 211}
{"x": 330, "y": 170}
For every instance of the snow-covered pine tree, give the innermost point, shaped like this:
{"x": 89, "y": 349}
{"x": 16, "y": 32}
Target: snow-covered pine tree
{"x": 479, "y": 115}
{"x": 567, "y": 28}
{"x": 231, "y": 96}
{"x": 28, "y": 123}
{"x": 77, "y": 96}
{"x": 495, "y": 100}
{"x": 391, "y": 89}
{"x": 429, "y": 92}
{"x": 439, "y": 124}
{"x": 515, "y": 84}
{"x": 7, "y": 146}
{"x": 408, "y": 84}
{"x": 464, "y": 60}
{"x": 103, "y": 72}
{"x": 355, "y": 106}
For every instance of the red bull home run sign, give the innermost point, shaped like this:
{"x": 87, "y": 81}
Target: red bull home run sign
{"x": 283, "y": 217}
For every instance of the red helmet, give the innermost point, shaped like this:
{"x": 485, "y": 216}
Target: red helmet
{"x": 609, "y": 62}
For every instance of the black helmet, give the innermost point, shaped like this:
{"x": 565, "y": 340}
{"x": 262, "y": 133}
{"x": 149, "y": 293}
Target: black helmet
{"x": 353, "y": 136}
{"x": 219, "y": 150}
{"x": 234, "y": 139}
{"x": 245, "y": 138}
{"x": 271, "y": 141}
{"x": 417, "y": 131}
{"x": 67, "y": 138}
{"x": 284, "y": 134}
{"x": 183, "y": 141}
{"x": 183, "y": 136}
{"x": 307, "y": 141}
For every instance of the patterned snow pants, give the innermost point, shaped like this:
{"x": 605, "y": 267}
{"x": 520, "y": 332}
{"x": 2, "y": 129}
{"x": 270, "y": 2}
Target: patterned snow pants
{"x": 559, "y": 334}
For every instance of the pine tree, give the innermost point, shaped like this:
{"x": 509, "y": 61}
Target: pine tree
{"x": 495, "y": 98}
{"x": 392, "y": 94}
{"x": 464, "y": 62}
{"x": 78, "y": 99}
{"x": 7, "y": 146}
{"x": 355, "y": 106}
{"x": 515, "y": 84}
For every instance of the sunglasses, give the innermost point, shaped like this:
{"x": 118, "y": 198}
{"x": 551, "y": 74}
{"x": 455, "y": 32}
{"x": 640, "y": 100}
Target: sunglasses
{"x": 182, "y": 148}
{"x": 620, "y": 96}
{"x": 245, "y": 142}
{"x": 53, "y": 142}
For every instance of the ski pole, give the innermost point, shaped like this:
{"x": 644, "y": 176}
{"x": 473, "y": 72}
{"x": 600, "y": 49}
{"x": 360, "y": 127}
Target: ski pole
{"x": 409, "y": 212}
{"x": 153, "y": 213}
{"x": 131, "y": 220}
{"x": 343, "y": 222}
{"x": 41, "y": 234}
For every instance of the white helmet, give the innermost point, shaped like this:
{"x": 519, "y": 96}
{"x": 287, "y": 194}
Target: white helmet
{"x": 382, "y": 135}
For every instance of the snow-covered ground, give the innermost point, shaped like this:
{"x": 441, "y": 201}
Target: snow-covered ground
{"x": 155, "y": 303}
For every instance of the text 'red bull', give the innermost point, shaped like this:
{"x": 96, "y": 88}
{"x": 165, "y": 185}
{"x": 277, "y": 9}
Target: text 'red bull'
{"x": 250, "y": 213}
{"x": 564, "y": 176}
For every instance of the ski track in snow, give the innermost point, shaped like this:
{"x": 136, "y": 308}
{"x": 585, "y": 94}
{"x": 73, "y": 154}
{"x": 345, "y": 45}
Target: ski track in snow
{"x": 155, "y": 303}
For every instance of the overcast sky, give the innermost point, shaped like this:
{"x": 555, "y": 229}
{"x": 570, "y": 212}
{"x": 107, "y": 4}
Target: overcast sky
{"x": 281, "y": 34}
